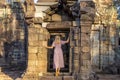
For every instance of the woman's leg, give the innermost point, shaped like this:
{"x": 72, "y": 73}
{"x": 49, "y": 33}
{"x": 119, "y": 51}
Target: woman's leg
{"x": 56, "y": 72}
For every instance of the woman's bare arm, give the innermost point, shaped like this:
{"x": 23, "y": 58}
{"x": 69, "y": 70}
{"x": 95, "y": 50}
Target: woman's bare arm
{"x": 67, "y": 40}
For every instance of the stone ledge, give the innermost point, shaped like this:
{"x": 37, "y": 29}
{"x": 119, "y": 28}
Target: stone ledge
{"x": 52, "y": 3}
{"x": 56, "y": 78}
{"x": 45, "y": 3}
{"x": 108, "y": 77}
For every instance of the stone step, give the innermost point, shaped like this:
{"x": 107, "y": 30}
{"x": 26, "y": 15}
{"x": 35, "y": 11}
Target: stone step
{"x": 108, "y": 77}
{"x": 56, "y": 78}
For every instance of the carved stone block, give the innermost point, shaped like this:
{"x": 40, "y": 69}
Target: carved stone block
{"x": 32, "y": 63}
{"x": 65, "y": 24}
{"x": 29, "y": 14}
{"x": 42, "y": 55}
{"x": 85, "y": 29}
{"x": 85, "y": 69}
{"x": 86, "y": 49}
{"x": 76, "y": 65}
{"x": 86, "y": 63}
{"x": 56, "y": 17}
{"x": 30, "y": 9}
{"x": 34, "y": 43}
{"x": 76, "y": 56}
{"x": 76, "y": 36}
{"x": 50, "y": 78}
{"x": 41, "y": 37}
{"x": 38, "y": 20}
{"x": 76, "y": 49}
{"x": 85, "y": 43}
{"x": 42, "y": 66}
{"x": 68, "y": 78}
{"x": 29, "y": 21}
{"x": 33, "y": 37}
{"x": 32, "y": 30}
{"x": 72, "y": 43}
{"x": 84, "y": 76}
{"x": 85, "y": 37}
{"x": 44, "y": 43}
{"x": 33, "y": 49}
{"x": 32, "y": 56}
{"x": 86, "y": 56}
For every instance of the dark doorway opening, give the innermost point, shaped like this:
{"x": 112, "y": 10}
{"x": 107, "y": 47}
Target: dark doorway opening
{"x": 66, "y": 47}
{"x": 119, "y": 42}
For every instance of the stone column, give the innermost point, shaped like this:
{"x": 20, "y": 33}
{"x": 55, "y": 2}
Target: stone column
{"x": 32, "y": 41}
{"x": 32, "y": 55}
{"x": 85, "y": 50}
{"x": 87, "y": 17}
{"x": 37, "y": 53}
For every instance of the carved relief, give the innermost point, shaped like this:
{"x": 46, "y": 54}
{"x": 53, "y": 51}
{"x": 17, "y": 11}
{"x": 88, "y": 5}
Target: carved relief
{"x": 29, "y": 8}
{"x": 87, "y": 10}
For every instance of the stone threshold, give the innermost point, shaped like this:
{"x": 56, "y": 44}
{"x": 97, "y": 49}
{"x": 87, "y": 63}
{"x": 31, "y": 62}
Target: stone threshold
{"x": 108, "y": 77}
{"x": 56, "y": 78}
{"x": 53, "y": 74}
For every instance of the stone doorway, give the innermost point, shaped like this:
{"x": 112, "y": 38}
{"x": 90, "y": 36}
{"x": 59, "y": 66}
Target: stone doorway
{"x": 62, "y": 29}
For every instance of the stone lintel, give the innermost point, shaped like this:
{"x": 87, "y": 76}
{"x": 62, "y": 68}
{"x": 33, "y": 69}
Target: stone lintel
{"x": 66, "y": 24}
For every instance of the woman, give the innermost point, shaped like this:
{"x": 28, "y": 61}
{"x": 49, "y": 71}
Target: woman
{"x": 58, "y": 53}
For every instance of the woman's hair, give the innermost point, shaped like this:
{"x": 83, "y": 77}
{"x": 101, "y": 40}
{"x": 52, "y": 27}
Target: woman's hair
{"x": 57, "y": 39}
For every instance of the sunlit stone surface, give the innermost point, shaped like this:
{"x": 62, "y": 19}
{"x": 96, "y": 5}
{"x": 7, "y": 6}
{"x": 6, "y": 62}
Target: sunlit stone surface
{"x": 26, "y": 28}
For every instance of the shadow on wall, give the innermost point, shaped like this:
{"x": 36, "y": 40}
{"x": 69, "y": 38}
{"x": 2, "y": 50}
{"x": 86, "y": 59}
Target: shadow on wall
{"x": 104, "y": 66}
{"x": 14, "y": 57}
{"x": 13, "y": 41}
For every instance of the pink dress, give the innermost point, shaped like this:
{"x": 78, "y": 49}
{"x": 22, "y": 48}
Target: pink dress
{"x": 58, "y": 55}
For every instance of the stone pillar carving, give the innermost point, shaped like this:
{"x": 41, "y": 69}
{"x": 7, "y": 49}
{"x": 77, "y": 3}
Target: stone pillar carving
{"x": 75, "y": 39}
{"x": 87, "y": 17}
{"x": 85, "y": 50}
{"x": 30, "y": 8}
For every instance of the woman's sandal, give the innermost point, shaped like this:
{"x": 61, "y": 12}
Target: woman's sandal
{"x": 56, "y": 74}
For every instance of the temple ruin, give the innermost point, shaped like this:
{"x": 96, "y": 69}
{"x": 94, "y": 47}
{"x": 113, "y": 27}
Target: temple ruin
{"x": 26, "y": 27}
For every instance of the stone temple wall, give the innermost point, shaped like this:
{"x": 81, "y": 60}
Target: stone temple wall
{"x": 104, "y": 48}
{"x": 44, "y": 17}
{"x": 37, "y": 53}
{"x": 12, "y": 33}
{"x": 47, "y": 16}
